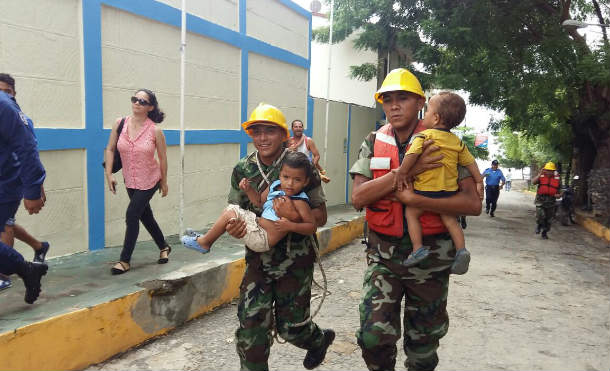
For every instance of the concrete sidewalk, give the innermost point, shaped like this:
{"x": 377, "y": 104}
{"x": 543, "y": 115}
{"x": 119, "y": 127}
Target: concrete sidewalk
{"x": 85, "y": 315}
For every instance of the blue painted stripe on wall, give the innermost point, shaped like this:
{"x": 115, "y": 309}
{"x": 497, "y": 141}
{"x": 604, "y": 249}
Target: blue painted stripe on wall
{"x": 58, "y": 139}
{"x": 149, "y": 9}
{"x": 242, "y": 17}
{"x": 203, "y": 137}
{"x": 171, "y": 16}
{"x": 92, "y": 47}
{"x": 296, "y": 7}
{"x": 268, "y": 50}
{"x": 94, "y": 137}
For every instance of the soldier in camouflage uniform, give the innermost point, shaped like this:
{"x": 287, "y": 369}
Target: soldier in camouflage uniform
{"x": 387, "y": 282}
{"x": 276, "y": 288}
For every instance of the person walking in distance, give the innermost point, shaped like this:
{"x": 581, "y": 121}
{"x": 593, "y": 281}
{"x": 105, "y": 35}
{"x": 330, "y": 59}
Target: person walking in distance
{"x": 494, "y": 181}
{"x": 300, "y": 142}
{"x": 549, "y": 189}
{"x": 137, "y": 142}
{"x": 509, "y": 180}
{"x": 387, "y": 281}
{"x": 21, "y": 176}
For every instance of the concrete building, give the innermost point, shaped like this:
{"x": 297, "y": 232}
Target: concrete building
{"x": 77, "y": 62}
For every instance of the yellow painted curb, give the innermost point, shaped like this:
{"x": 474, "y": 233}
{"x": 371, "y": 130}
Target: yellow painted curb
{"x": 593, "y": 226}
{"x": 342, "y": 234}
{"x": 78, "y": 339}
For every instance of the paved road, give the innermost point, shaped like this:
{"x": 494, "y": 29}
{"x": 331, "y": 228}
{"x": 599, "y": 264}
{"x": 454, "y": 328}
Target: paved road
{"x": 526, "y": 304}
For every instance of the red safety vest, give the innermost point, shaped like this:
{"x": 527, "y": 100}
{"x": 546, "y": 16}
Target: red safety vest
{"x": 385, "y": 216}
{"x": 548, "y": 185}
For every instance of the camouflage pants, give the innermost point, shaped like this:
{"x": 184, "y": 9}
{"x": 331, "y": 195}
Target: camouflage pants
{"x": 282, "y": 279}
{"x": 424, "y": 289}
{"x": 545, "y": 210}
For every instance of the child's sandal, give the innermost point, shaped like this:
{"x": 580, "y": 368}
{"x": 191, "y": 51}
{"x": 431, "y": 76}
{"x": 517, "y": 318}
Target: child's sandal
{"x": 190, "y": 242}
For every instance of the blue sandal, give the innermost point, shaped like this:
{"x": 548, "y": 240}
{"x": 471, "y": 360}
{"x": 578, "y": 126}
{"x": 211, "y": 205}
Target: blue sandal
{"x": 190, "y": 241}
{"x": 5, "y": 284}
{"x": 417, "y": 257}
{"x": 461, "y": 262}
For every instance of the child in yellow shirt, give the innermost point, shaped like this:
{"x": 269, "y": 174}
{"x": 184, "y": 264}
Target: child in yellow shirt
{"x": 445, "y": 111}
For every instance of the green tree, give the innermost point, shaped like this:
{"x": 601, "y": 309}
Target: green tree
{"x": 512, "y": 56}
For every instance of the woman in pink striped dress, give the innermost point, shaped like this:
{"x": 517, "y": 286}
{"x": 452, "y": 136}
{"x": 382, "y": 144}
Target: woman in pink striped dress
{"x": 137, "y": 143}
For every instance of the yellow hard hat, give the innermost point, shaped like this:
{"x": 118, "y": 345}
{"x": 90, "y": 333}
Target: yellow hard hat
{"x": 399, "y": 79}
{"x": 266, "y": 113}
{"x": 549, "y": 166}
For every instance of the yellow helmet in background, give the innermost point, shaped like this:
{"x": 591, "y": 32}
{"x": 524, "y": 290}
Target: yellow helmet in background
{"x": 267, "y": 114}
{"x": 549, "y": 166}
{"x": 399, "y": 79}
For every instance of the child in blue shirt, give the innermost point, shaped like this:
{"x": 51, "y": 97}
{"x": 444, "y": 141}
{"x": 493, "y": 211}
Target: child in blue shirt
{"x": 265, "y": 231}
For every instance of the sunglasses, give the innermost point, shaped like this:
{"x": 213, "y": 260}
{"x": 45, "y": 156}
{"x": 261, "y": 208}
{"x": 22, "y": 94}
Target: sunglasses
{"x": 141, "y": 102}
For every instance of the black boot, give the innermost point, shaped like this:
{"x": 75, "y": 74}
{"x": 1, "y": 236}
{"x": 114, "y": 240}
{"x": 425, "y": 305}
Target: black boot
{"x": 31, "y": 274}
{"x": 538, "y": 228}
{"x": 314, "y": 357}
{"x": 544, "y": 235}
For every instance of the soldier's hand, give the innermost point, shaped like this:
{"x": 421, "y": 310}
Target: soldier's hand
{"x": 427, "y": 160}
{"x": 282, "y": 225}
{"x": 236, "y": 228}
{"x": 406, "y": 195}
{"x": 244, "y": 185}
{"x": 284, "y": 208}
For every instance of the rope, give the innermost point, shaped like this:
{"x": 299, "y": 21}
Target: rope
{"x": 325, "y": 293}
{"x": 271, "y": 167}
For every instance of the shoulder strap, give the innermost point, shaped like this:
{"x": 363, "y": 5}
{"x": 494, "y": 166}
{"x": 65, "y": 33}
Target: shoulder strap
{"x": 120, "y": 129}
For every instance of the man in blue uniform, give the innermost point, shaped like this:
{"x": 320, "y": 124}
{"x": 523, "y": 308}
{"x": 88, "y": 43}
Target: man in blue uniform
{"x": 494, "y": 181}
{"x": 21, "y": 175}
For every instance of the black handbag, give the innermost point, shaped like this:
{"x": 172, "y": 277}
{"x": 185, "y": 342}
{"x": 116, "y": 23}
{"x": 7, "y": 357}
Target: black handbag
{"x": 116, "y": 164}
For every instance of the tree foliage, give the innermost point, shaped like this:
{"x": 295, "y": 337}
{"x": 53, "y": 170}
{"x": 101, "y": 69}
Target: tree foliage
{"x": 511, "y": 56}
{"x": 468, "y": 137}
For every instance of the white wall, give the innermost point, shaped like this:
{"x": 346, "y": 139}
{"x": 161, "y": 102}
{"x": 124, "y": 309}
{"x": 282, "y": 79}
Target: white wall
{"x": 342, "y": 88}
{"x": 41, "y": 45}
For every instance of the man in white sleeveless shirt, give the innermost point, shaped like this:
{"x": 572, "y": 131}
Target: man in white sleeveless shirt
{"x": 299, "y": 142}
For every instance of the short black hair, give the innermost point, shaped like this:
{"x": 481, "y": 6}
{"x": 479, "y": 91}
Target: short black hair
{"x": 293, "y": 121}
{"x": 8, "y": 79}
{"x": 494, "y": 162}
{"x": 298, "y": 160}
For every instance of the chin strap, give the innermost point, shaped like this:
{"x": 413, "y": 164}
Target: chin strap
{"x": 271, "y": 167}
